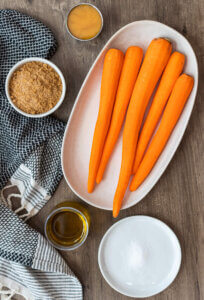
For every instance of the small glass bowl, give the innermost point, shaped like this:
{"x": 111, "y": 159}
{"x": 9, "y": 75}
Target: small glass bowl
{"x": 75, "y": 208}
{"x": 83, "y": 40}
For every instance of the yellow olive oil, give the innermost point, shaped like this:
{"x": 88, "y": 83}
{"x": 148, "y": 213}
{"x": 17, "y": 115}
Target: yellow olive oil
{"x": 68, "y": 225}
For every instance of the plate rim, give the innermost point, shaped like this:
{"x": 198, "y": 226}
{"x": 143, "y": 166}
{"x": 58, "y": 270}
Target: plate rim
{"x": 154, "y": 220}
{"x": 105, "y": 47}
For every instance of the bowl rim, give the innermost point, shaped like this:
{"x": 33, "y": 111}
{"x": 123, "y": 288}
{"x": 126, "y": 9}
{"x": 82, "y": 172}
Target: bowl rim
{"x": 43, "y": 60}
{"x": 101, "y": 16}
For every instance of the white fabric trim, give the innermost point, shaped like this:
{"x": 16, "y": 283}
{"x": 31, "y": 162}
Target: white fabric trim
{"x": 14, "y": 288}
{"x": 42, "y": 194}
{"x": 21, "y": 186}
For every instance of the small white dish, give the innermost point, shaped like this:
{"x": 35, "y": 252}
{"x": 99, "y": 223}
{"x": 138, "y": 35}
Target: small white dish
{"x": 78, "y": 136}
{"x": 139, "y": 256}
{"x": 22, "y": 62}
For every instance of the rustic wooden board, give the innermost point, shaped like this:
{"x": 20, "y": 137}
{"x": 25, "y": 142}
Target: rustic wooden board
{"x": 177, "y": 197}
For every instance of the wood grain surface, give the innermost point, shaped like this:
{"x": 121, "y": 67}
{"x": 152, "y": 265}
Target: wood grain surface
{"x": 177, "y": 198}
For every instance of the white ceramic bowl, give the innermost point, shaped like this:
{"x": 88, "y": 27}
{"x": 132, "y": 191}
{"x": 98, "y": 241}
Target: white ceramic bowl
{"x": 22, "y": 62}
{"x": 139, "y": 256}
{"x": 78, "y": 136}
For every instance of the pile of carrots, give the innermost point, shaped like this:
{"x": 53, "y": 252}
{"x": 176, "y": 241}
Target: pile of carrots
{"x": 126, "y": 88}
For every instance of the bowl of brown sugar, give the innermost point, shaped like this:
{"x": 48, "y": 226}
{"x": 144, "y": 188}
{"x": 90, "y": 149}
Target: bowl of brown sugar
{"x": 35, "y": 87}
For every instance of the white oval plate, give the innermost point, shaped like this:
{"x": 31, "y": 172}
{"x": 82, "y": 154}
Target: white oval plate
{"x": 139, "y": 256}
{"x": 80, "y": 128}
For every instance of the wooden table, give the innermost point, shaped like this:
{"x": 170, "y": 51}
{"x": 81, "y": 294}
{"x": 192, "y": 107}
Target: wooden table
{"x": 177, "y": 197}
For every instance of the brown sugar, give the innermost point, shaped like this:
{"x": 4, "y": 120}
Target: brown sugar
{"x": 35, "y": 87}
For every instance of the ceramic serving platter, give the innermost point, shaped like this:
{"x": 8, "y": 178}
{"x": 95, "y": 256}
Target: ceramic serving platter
{"x": 80, "y": 128}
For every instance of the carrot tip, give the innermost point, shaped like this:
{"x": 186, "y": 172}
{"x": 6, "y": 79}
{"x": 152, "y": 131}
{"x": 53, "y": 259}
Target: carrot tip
{"x": 90, "y": 189}
{"x": 98, "y": 179}
{"x": 132, "y": 189}
{"x": 115, "y": 213}
{"x": 133, "y": 185}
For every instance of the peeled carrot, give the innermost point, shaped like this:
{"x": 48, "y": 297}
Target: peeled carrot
{"x": 132, "y": 62}
{"x": 169, "y": 77}
{"x": 174, "y": 107}
{"x": 110, "y": 77}
{"x": 155, "y": 60}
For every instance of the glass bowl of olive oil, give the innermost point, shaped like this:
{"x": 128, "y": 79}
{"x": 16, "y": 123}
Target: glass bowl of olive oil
{"x": 67, "y": 226}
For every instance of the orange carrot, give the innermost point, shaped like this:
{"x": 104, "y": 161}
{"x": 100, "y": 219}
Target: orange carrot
{"x": 154, "y": 63}
{"x": 174, "y": 107}
{"x": 171, "y": 74}
{"x": 132, "y": 62}
{"x": 110, "y": 77}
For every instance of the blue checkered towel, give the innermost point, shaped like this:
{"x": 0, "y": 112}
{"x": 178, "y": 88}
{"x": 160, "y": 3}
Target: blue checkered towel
{"x": 30, "y": 162}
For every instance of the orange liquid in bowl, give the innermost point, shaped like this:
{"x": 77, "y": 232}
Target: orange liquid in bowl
{"x": 84, "y": 22}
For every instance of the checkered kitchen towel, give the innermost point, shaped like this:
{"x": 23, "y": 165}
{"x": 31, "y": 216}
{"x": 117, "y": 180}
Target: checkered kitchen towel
{"x": 30, "y": 162}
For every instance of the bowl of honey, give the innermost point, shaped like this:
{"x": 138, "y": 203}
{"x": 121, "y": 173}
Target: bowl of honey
{"x": 84, "y": 22}
{"x": 67, "y": 226}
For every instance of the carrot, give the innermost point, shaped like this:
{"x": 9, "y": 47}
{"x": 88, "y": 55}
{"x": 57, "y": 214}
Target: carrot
{"x": 110, "y": 77}
{"x": 155, "y": 60}
{"x": 174, "y": 107}
{"x": 132, "y": 62}
{"x": 169, "y": 77}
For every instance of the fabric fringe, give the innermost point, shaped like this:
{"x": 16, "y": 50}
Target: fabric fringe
{"x": 32, "y": 196}
{"x": 7, "y": 202}
{"x": 7, "y": 294}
